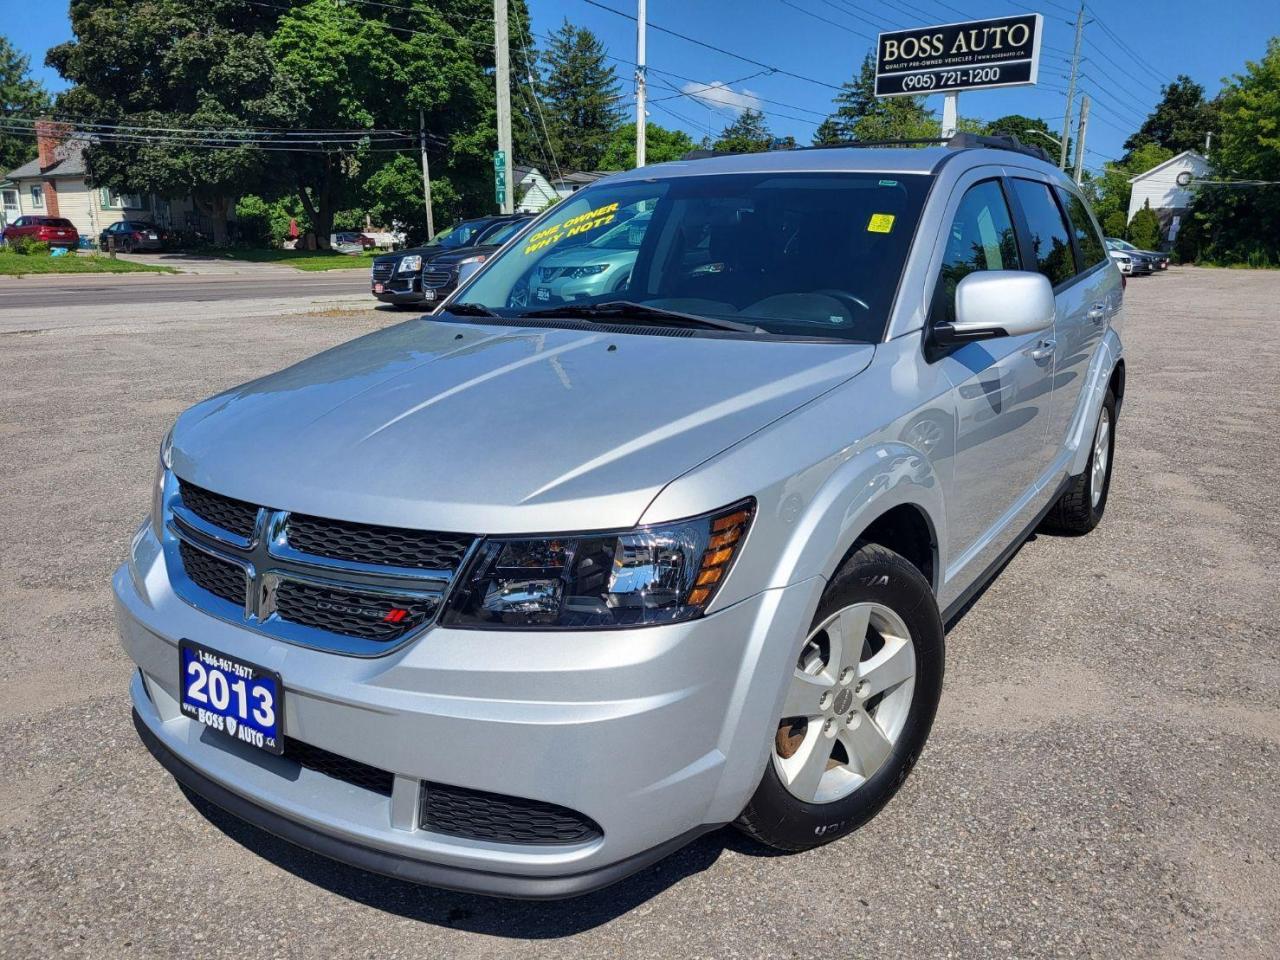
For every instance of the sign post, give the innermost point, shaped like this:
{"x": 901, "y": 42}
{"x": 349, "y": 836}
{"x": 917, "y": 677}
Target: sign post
{"x": 974, "y": 55}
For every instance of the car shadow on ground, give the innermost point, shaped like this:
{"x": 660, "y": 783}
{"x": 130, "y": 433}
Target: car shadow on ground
{"x": 522, "y": 919}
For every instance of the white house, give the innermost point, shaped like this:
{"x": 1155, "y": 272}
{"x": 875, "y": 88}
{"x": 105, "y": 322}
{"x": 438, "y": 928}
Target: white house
{"x": 571, "y": 183}
{"x": 55, "y": 185}
{"x": 534, "y": 190}
{"x": 1166, "y": 188}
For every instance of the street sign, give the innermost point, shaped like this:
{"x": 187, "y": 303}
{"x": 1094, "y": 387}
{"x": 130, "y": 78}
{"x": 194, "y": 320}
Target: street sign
{"x": 500, "y": 177}
{"x": 975, "y": 55}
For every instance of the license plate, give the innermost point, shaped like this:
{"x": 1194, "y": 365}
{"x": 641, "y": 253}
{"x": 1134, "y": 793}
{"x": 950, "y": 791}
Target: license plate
{"x": 543, "y": 293}
{"x": 428, "y": 294}
{"x": 151, "y": 236}
{"x": 379, "y": 288}
{"x": 241, "y": 699}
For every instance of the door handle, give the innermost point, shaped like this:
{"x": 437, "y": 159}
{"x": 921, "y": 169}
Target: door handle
{"x": 1043, "y": 349}
{"x": 1097, "y": 312}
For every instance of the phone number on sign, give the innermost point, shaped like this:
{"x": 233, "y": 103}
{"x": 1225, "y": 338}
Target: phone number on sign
{"x": 951, "y": 78}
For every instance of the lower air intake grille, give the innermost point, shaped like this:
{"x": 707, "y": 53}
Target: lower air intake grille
{"x": 340, "y": 768}
{"x": 224, "y": 512}
{"x": 222, "y": 579}
{"x": 477, "y": 815}
{"x": 369, "y": 615}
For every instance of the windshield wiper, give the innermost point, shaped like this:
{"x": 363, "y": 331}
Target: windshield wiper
{"x": 469, "y": 310}
{"x": 628, "y": 311}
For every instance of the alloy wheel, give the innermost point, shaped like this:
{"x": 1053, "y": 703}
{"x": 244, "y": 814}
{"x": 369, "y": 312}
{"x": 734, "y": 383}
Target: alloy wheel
{"x": 1101, "y": 457}
{"x": 847, "y": 703}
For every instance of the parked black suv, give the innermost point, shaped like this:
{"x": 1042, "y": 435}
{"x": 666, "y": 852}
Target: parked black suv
{"x": 428, "y": 274}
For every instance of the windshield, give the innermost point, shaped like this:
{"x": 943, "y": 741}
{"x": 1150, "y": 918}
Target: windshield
{"x": 502, "y": 232}
{"x": 459, "y": 235}
{"x": 806, "y": 254}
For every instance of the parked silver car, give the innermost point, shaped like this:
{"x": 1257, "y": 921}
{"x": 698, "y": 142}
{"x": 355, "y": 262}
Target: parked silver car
{"x": 601, "y": 265}
{"x": 518, "y": 600}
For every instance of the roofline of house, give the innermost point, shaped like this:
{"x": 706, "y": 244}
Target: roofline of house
{"x": 1161, "y": 166}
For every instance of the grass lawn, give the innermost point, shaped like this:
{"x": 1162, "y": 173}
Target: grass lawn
{"x": 305, "y": 259}
{"x": 16, "y": 265}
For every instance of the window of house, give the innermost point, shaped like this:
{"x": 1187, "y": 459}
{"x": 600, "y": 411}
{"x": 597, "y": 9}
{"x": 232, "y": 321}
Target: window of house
{"x": 37, "y": 197}
{"x": 1049, "y": 236}
{"x": 981, "y": 238}
{"x": 112, "y": 200}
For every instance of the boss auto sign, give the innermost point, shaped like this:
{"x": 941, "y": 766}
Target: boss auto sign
{"x": 1004, "y": 52}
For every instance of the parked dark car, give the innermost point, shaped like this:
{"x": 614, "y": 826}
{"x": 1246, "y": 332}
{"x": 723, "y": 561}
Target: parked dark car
{"x": 55, "y": 231}
{"x": 133, "y": 235}
{"x": 349, "y": 238}
{"x": 1158, "y": 261}
{"x": 428, "y": 274}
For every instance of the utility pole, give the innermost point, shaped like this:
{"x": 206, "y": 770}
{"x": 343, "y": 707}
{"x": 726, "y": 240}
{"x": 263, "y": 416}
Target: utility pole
{"x": 502, "y": 61}
{"x": 640, "y": 81}
{"x": 1071, "y": 87}
{"x": 426, "y": 173}
{"x": 1080, "y": 131}
{"x": 950, "y": 109}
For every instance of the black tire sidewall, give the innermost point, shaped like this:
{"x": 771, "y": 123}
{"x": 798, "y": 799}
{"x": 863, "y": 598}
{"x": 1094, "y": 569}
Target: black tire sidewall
{"x": 871, "y": 574}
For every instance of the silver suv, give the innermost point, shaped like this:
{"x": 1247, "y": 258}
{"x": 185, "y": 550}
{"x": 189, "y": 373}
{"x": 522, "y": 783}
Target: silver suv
{"x": 520, "y": 597}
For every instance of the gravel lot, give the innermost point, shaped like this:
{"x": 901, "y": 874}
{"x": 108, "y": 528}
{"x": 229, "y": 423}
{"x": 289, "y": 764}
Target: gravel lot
{"x": 1103, "y": 777}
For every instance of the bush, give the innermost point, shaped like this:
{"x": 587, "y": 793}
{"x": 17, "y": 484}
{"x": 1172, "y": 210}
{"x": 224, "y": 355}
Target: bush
{"x": 1144, "y": 229}
{"x": 1115, "y": 224}
{"x": 28, "y": 246}
{"x": 265, "y": 223}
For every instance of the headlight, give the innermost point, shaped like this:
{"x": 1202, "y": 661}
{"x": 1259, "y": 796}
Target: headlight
{"x": 595, "y": 581}
{"x": 163, "y": 466}
{"x": 576, "y": 273}
{"x": 410, "y": 264}
{"x": 467, "y": 267}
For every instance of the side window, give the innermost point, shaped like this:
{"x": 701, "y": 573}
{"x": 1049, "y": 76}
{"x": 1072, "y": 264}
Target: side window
{"x": 1087, "y": 240}
{"x": 1049, "y": 237}
{"x": 981, "y": 238}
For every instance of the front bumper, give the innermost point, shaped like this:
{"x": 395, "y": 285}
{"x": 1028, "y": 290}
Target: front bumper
{"x": 409, "y": 289}
{"x": 655, "y": 734}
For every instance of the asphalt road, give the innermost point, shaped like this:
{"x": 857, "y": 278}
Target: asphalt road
{"x": 1103, "y": 778}
{"x": 110, "y": 290}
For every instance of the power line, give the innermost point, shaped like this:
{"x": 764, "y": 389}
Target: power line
{"x": 711, "y": 46}
{"x": 818, "y": 16}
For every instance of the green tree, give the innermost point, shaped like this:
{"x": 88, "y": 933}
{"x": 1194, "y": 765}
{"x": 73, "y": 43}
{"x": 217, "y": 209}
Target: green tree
{"x": 21, "y": 96}
{"x": 1179, "y": 121}
{"x": 860, "y": 115}
{"x": 1032, "y": 131}
{"x": 1237, "y": 224}
{"x": 749, "y": 133}
{"x": 1109, "y": 191}
{"x": 1144, "y": 228}
{"x": 581, "y": 92}
{"x": 660, "y": 146}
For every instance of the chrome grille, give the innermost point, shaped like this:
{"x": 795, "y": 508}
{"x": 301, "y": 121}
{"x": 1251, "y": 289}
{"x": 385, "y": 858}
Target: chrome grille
{"x": 351, "y": 588}
{"x": 365, "y": 543}
{"x": 234, "y": 515}
{"x": 382, "y": 269}
{"x": 436, "y": 278}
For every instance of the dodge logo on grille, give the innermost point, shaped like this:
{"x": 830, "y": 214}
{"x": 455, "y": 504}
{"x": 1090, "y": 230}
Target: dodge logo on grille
{"x": 394, "y": 615}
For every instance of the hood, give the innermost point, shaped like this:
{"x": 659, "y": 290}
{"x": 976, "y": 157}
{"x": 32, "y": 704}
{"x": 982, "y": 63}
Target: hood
{"x": 585, "y": 255}
{"x": 460, "y": 253}
{"x": 491, "y": 429}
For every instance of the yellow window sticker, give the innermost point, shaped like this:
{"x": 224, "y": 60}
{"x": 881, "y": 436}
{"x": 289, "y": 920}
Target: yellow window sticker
{"x": 582, "y": 223}
{"x": 881, "y": 223}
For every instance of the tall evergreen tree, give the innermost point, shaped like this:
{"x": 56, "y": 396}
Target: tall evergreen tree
{"x": 582, "y": 94}
{"x": 1179, "y": 121}
{"x": 20, "y": 96}
{"x": 860, "y": 115}
{"x": 749, "y": 133}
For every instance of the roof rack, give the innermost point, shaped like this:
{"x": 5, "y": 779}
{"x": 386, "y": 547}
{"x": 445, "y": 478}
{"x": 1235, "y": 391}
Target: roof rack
{"x": 959, "y": 141}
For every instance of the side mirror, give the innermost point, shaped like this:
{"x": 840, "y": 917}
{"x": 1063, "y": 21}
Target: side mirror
{"x": 997, "y": 303}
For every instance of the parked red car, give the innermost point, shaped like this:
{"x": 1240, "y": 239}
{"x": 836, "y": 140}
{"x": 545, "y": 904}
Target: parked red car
{"x": 55, "y": 231}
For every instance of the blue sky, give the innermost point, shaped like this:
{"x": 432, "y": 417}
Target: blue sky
{"x": 1208, "y": 41}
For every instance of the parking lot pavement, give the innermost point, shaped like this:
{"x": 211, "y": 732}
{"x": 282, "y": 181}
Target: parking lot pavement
{"x": 1103, "y": 778}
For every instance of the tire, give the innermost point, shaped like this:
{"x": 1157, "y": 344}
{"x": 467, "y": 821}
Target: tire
{"x": 893, "y": 591}
{"x": 1080, "y": 507}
